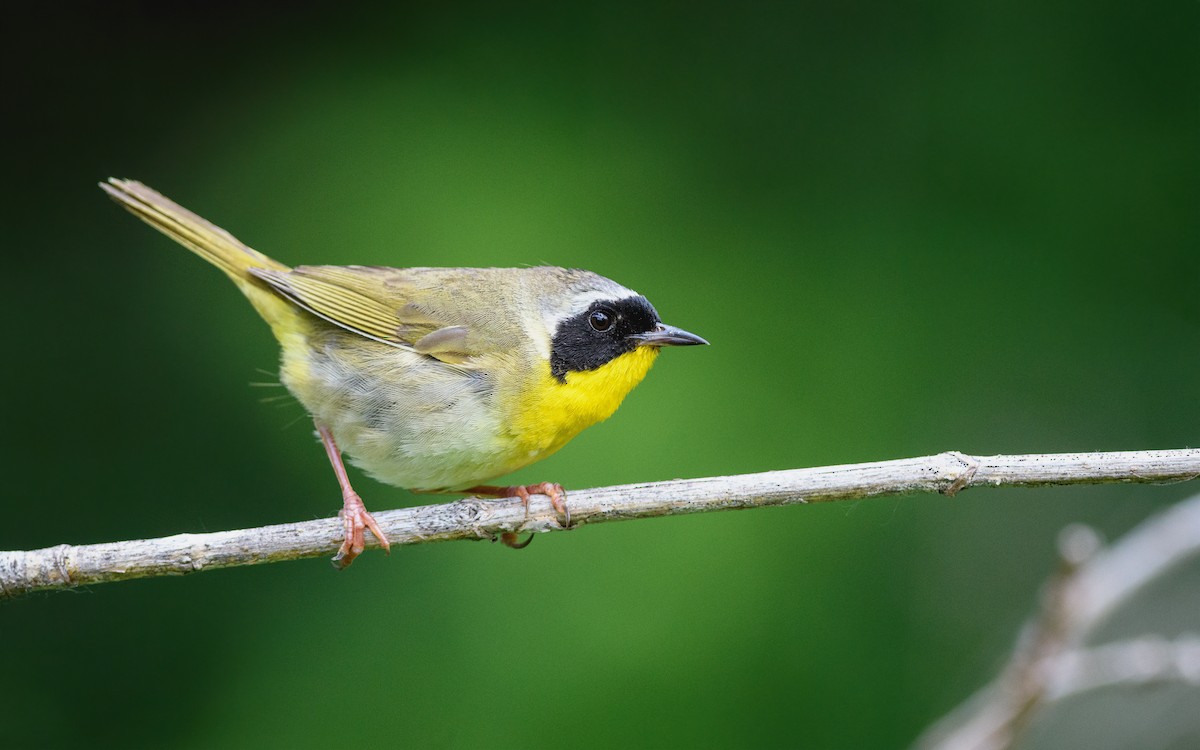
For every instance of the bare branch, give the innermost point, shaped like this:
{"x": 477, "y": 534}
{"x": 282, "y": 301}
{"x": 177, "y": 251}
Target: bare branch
{"x": 1052, "y": 659}
{"x": 67, "y": 566}
{"x": 1135, "y": 661}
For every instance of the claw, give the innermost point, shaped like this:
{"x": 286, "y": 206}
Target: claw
{"x": 509, "y": 539}
{"x": 558, "y": 499}
{"x": 555, "y": 492}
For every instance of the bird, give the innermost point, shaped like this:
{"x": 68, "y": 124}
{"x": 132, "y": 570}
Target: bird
{"x": 435, "y": 379}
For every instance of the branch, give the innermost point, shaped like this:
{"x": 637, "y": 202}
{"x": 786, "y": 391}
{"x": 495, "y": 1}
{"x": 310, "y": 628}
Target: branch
{"x": 66, "y": 566}
{"x": 1052, "y": 659}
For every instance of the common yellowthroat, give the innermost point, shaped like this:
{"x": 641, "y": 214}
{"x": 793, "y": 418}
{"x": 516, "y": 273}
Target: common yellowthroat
{"x": 435, "y": 379}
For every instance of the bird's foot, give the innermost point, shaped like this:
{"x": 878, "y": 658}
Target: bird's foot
{"x": 355, "y": 521}
{"x": 354, "y": 515}
{"x": 552, "y": 490}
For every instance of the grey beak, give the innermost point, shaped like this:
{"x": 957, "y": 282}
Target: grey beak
{"x": 665, "y": 335}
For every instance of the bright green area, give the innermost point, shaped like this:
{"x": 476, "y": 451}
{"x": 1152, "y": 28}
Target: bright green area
{"x": 904, "y": 230}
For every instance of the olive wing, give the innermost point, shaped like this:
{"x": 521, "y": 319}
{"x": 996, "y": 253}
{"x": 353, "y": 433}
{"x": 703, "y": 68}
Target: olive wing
{"x": 446, "y": 313}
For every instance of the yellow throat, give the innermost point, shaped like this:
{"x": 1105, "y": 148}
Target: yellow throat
{"x": 552, "y": 412}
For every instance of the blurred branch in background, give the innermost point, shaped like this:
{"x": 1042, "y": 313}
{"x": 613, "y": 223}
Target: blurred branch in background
{"x": 1054, "y": 660}
{"x": 67, "y": 566}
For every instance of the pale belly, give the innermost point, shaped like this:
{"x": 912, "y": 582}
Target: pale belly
{"x": 406, "y": 419}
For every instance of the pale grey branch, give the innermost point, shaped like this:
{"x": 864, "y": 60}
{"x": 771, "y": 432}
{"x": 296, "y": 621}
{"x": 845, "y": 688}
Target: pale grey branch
{"x": 1052, "y": 660}
{"x": 67, "y": 566}
{"x": 1135, "y": 661}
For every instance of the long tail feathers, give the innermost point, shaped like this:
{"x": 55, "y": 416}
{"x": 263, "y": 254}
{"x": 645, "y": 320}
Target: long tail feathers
{"x": 213, "y": 244}
{"x": 207, "y": 240}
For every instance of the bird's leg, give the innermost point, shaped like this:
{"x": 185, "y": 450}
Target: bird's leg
{"x": 555, "y": 492}
{"x": 354, "y": 515}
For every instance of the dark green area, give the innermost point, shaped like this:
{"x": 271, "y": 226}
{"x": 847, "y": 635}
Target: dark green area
{"x": 905, "y": 229}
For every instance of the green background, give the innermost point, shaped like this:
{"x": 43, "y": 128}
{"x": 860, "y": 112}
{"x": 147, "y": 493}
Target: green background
{"x": 905, "y": 228}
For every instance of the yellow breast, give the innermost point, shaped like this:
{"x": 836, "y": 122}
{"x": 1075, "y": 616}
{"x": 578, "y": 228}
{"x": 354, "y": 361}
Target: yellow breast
{"x": 549, "y": 413}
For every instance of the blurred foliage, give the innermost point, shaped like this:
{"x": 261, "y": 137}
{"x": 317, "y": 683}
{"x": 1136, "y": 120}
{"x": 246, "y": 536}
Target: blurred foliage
{"x": 905, "y": 228}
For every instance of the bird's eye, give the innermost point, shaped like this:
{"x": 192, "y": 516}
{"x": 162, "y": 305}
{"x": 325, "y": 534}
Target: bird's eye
{"x": 600, "y": 320}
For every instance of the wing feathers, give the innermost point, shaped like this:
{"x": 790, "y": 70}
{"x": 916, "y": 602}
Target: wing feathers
{"x": 352, "y": 298}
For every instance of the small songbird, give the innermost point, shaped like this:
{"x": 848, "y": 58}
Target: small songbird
{"x": 435, "y": 379}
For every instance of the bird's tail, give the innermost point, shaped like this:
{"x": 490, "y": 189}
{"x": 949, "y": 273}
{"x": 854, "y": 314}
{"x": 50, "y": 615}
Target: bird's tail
{"x": 210, "y": 242}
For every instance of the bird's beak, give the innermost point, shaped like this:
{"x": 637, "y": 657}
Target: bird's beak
{"x": 665, "y": 335}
